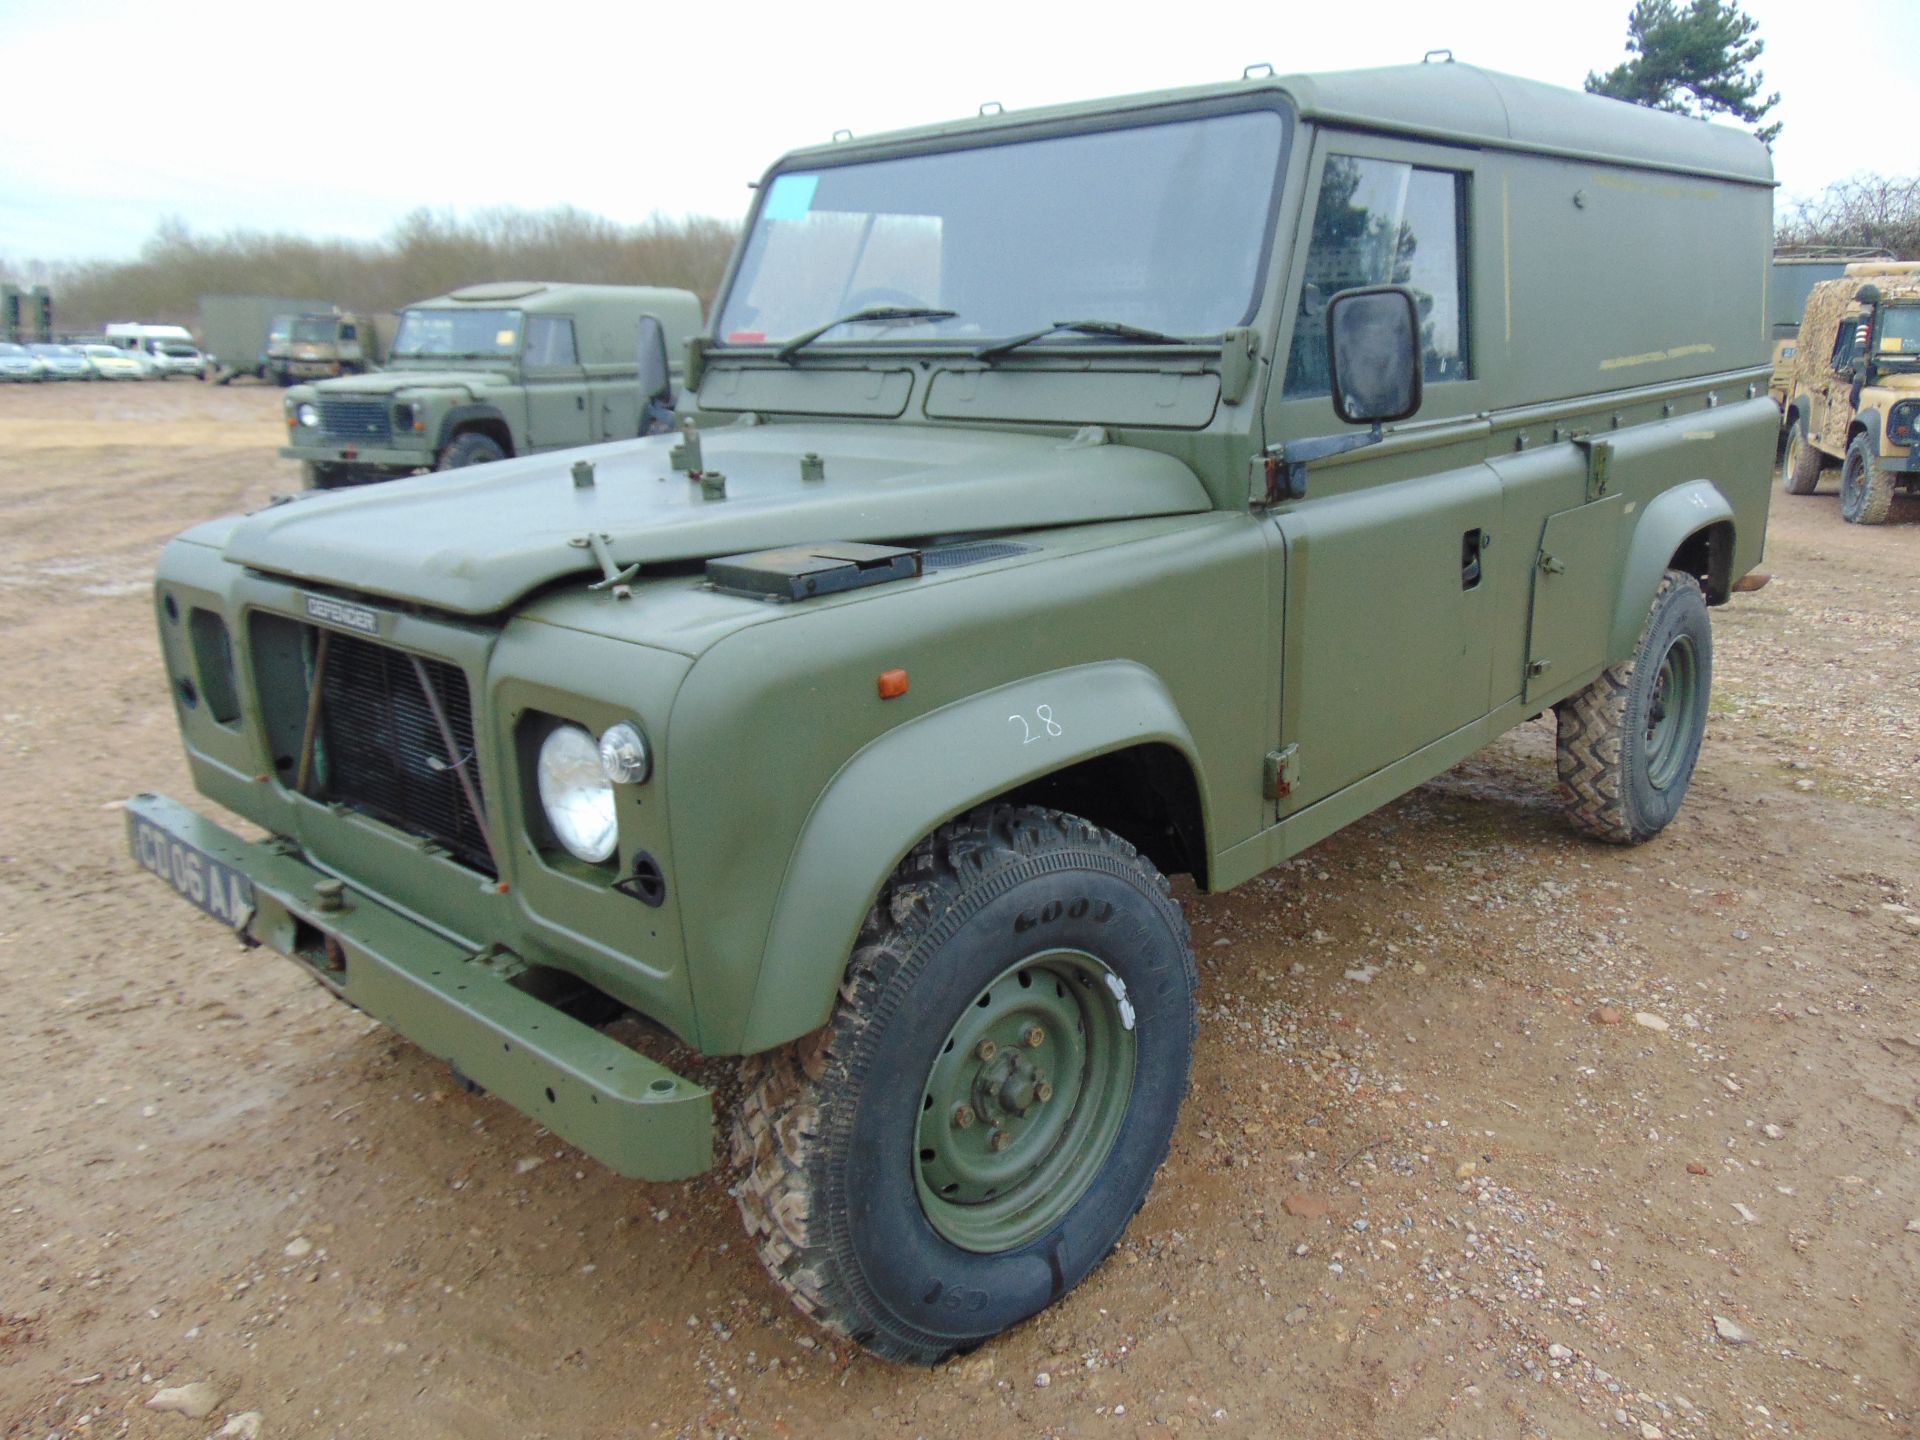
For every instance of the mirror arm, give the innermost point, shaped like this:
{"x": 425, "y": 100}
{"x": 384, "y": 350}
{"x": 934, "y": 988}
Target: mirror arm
{"x": 1287, "y": 462}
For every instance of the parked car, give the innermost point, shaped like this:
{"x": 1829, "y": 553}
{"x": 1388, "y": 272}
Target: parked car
{"x": 62, "y": 362}
{"x": 110, "y": 362}
{"x": 177, "y": 357}
{"x": 19, "y": 363}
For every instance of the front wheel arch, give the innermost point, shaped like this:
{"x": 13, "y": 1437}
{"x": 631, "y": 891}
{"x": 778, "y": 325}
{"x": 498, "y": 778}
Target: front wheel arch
{"x": 881, "y": 805}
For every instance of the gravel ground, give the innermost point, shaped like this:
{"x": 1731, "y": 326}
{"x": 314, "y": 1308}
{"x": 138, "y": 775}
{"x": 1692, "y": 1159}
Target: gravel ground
{"x": 1494, "y": 1132}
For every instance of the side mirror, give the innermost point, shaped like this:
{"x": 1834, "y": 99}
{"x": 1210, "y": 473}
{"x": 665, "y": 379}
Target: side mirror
{"x": 656, "y": 378}
{"x": 1373, "y": 354}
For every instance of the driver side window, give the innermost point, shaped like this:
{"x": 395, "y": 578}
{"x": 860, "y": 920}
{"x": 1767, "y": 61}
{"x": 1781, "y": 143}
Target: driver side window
{"x": 550, "y": 343}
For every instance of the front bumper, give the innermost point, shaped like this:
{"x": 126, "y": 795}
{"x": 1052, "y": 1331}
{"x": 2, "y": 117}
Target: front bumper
{"x": 382, "y": 455}
{"x": 631, "y": 1113}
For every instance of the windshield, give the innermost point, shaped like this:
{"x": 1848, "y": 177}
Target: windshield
{"x": 1159, "y": 226}
{"x": 464, "y": 334}
{"x": 9, "y": 349}
{"x": 312, "y": 328}
{"x": 280, "y": 329}
{"x": 59, "y": 350}
{"x": 1899, "y": 340}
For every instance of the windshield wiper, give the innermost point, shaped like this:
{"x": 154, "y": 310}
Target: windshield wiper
{"x": 1109, "y": 329}
{"x": 873, "y": 314}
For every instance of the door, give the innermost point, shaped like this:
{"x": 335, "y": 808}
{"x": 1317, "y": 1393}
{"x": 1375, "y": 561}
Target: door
{"x": 557, "y": 413}
{"x": 1833, "y": 409}
{"x": 1389, "y": 616}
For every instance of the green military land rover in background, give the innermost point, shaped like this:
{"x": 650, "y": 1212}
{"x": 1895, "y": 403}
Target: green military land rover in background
{"x": 487, "y": 373}
{"x": 1853, "y": 393}
{"x": 1061, "y": 500}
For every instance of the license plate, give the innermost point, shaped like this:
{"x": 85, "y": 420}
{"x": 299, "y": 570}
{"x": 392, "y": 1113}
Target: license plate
{"x": 216, "y": 888}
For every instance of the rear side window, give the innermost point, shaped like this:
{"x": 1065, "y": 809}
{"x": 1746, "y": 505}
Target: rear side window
{"x": 1384, "y": 222}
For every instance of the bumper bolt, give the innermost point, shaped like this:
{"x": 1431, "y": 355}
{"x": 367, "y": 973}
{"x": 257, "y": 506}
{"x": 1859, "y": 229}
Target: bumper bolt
{"x": 1043, "y": 1091}
{"x": 1035, "y": 1037}
{"x": 986, "y": 1050}
{"x": 329, "y": 894}
{"x": 1001, "y": 1140}
{"x": 962, "y": 1117}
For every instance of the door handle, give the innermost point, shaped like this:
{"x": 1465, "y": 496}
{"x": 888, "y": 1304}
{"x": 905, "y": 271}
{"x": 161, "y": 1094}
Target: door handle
{"x": 1471, "y": 544}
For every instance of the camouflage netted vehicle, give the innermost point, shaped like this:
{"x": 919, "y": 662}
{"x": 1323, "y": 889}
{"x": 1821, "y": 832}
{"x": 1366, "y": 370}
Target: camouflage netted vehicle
{"x": 1854, "y": 397}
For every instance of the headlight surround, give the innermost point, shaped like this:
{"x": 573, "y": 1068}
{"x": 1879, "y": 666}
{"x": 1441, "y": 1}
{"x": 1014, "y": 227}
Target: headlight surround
{"x": 1903, "y": 421}
{"x": 576, "y": 794}
{"x": 308, "y": 414}
{"x": 625, "y": 757}
{"x": 405, "y": 415}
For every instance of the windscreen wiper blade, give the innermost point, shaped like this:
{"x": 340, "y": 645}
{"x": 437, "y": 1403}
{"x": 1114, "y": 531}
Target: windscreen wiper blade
{"x": 872, "y": 315}
{"x": 1108, "y": 329}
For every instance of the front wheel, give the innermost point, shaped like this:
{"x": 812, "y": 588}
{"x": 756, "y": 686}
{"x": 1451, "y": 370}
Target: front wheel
{"x": 1866, "y": 489}
{"x": 472, "y": 448}
{"x": 973, "y": 1129}
{"x": 1627, "y": 743}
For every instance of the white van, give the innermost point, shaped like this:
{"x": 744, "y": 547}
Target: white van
{"x": 168, "y": 349}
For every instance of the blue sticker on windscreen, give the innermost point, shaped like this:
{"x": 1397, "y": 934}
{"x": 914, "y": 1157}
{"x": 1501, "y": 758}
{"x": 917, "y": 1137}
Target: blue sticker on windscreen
{"x": 790, "y": 198}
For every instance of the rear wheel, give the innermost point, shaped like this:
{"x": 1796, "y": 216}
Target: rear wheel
{"x": 972, "y": 1130}
{"x": 1866, "y": 490}
{"x": 1627, "y": 743}
{"x": 1800, "y": 469}
{"x": 472, "y": 448}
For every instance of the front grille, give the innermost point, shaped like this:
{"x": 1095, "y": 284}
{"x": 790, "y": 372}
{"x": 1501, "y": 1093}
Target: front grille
{"x": 380, "y": 751}
{"x": 352, "y": 422}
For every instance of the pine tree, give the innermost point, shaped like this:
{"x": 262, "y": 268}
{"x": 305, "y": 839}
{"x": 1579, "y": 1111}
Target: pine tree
{"x": 1692, "y": 61}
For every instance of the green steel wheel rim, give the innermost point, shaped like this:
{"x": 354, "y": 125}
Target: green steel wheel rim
{"x": 1673, "y": 712}
{"x": 1024, "y": 1101}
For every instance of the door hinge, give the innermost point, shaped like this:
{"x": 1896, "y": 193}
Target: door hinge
{"x": 1282, "y": 773}
{"x": 1599, "y": 465}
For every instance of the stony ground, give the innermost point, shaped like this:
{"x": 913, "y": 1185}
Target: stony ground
{"x": 1495, "y": 1133}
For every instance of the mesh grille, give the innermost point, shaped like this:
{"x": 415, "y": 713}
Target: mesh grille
{"x": 378, "y": 735}
{"x": 975, "y": 552}
{"x": 355, "y": 421}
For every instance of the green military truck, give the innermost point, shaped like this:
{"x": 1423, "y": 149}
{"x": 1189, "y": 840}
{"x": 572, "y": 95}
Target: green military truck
{"x": 250, "y": 335}
{"x": 1064, "y": 500}
{"x": 1853, "y": 394}
{"x": 488, "y": 373}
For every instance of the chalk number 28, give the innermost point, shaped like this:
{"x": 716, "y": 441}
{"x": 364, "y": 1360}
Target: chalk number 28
{"x": 1041, "y": 726}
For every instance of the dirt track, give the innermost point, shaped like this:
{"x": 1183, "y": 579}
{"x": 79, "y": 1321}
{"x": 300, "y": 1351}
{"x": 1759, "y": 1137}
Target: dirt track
{"x": 1419, "y": 1190}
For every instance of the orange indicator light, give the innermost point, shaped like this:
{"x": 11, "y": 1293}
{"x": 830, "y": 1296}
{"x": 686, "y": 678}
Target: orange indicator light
{"x": 893, "y": 684}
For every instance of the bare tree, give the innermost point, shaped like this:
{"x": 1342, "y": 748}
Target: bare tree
{"x": 1863, "y": 212}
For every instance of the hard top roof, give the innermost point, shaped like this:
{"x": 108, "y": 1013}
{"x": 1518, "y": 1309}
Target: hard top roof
{"x": 539, "y": 296}
{"x": 1448, "y": 101}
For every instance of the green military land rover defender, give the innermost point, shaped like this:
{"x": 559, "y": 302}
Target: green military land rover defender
{"x": 1061, "y": 500}
{"x": 487, "y": 373}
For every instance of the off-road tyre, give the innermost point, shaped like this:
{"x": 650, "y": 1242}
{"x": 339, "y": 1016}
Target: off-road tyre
{"x": 1628, "y": 743}
{"x": 1802, "y": 462}
{"x": 1866, "y": 489}
{"x": 472, "y": 448}
{"x": 831, "y": 1182}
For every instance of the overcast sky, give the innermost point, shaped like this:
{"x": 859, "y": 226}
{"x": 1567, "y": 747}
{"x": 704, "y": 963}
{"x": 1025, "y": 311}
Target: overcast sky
{"x": 337, "y": 118}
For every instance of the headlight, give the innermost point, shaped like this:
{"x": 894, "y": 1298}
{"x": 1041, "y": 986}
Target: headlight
{"x": 1903, "y": 421}
{"x": 404, "y": 415}
{"x": 624, "y": 756}
{"x": 308, "y": 414}
{"x": 576, "y": 794}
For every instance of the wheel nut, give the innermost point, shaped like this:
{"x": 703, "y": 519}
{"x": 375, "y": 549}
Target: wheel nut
{"x": 1001, "y": 1139}
{"x": 962, "y": 1116}
{"x": 1035, "y": 1037}
{"x": 986, "y": 1050}
{"x": 1043, "y": 1091}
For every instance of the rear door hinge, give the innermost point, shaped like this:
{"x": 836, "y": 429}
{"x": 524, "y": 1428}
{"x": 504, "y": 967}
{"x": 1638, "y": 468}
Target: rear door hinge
{"x": 1282, "y": 773}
